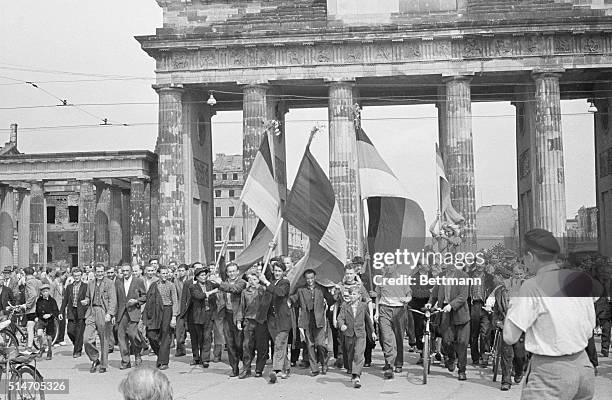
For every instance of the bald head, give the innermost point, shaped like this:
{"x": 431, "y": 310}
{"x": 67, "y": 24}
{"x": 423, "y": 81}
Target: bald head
{"x": 146, "y": 383}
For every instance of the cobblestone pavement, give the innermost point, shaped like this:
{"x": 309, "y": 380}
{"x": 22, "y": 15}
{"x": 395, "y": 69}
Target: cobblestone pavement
{"x": 194, "y": 382}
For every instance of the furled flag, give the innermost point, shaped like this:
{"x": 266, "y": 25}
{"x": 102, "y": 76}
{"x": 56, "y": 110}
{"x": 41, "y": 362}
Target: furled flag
{"x": 395, "y": 222}
{"x": 312, "y": 208}
{"x": 446, "y": 207}
{"x": 260, "y": 191}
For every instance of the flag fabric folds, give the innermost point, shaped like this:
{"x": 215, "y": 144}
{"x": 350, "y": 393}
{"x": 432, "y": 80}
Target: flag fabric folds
{"x": 257, "y": 248}
{"x": 327, "y": 267}
{"x": 445, "y": 206}
{"x": 260, "y": 191}
{"x": 312, "y": 208}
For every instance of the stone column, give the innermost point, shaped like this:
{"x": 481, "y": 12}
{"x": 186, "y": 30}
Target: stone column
{"x": 260, "y": 105}
{"x": 170, "y": 150}
{"x": 7, "y": 218}
{"x": 140, "y": 220}
{"x": 603, "y": 172}
{"x": 115, "y": 228}
{"x": 549, "y": 182}
{"x": 38, "y": 236}
{"x": 343, "y": 168}
{"x": 458, "y": 153}
{"x": 87, "y": 215}
{"x": 102, "y": 223}
{"x": 23, "y": 230}
{"x": 125, "y": 227}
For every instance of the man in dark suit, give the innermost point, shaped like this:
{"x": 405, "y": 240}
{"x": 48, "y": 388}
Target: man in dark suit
{"x": 455, "y": 320}
{"x": 131, "y": 295}
{"x": 201, "y": 315}
{"x": 74, "y": 310}
{"x": 6, "y": 297}
{"x": 312, "y": 301}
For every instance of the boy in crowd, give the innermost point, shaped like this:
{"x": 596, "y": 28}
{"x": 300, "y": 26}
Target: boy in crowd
{"x": 46, "y": 312}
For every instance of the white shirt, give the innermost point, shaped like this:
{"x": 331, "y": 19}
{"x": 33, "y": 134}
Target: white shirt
{"x": 126, "y": 284}
{"x": 553, "y": 325}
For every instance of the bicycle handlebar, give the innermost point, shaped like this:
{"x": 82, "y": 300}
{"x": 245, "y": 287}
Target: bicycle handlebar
{"x": 432, "y": 311}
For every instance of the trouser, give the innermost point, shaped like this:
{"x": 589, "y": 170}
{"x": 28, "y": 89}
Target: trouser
{"x": 31, "y": 323}
{"x": 410, "y": 331}
{"x": 513, "y": 359}
{"x": 334, "y": 334}
{"x": 112, "y": 337}
{"x": 355, "y": 347}
{"x": 62, "y": 328}
{"x": 181, "y": 334}
{"x": 568, "y": 377}
{"x": 392, "y": 325}
{"x": 201, "y": 340}
{"x": 591, "y": 351}
{"x": 233, "y": 339}
{"x": 455, "y": 343}
{"x": 96, "y": 328}
{"x": 418, "y": 303}
{"x": 280, "y": 361}
{"x": 255, "y": 340}
{"x": 160, "y": 339}
{"x": 297, "y": 346}
{"x": 480, "y": 325}
{"x": 128, "y": 338}
{"x": 75, "y": 330}
{"x": 219, "y": 338}
{"x": 606, "y": 325}
{"x": 315, "y": 344}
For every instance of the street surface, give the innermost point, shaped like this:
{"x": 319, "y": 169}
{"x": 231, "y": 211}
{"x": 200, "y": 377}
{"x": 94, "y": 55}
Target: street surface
{"x": 191, "y": 383}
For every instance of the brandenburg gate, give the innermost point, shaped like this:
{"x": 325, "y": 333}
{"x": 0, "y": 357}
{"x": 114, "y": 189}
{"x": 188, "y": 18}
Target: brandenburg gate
{"x": 268, "y": 56}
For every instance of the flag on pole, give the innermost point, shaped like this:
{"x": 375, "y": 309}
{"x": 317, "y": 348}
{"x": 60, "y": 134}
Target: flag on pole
{"x": 312, "y": 208}
{"x": 328, "y": 268}
{"x": 445, "y": 205}
{"x": 254, "y": 252}
{"x": 260, "y": 191}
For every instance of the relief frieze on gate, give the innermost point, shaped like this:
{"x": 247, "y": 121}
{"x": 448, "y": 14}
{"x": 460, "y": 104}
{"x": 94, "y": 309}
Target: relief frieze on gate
{"x": 382, "y": 51}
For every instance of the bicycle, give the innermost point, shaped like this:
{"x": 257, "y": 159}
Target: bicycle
{"x": 427, "y": 354}
{"x": 25, "y": 381}
{"x": 496, "y": 351}
{"x": 15, "y": 334}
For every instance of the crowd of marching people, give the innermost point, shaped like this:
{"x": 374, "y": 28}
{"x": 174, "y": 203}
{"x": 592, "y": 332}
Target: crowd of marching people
{"x": 258, "y": 319}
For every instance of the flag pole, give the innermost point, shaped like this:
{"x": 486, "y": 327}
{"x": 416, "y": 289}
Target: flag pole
{"x": 226, "y": 239}
{"x": 272, "y": 245}
{"x": 438, "y": 198}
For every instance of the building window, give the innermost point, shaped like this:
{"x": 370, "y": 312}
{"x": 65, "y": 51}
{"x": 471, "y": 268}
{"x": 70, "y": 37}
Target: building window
{"x": 217, "y": 193}
{"x": 232, "y": 234}
{"x": 217, "y": 211}
{"x": 214, "y": 177}
{"x": 50, "y": 214}
{"x": 73, "y": 251}
{"x": 231, "y": 211}
{"x": 231, "y": 193}
{"x": 232, "y": 255}
{"x": 73, "y": 214}
{"x": 49, "y": 253}
{"x": 218, "y": 234}
{"x": 224, "y": 177}
{"x": 216, "y": 255}
{"x": 234, "y": 177}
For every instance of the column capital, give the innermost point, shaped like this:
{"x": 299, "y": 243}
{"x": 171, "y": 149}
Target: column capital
{"x": 168, "y": 88}
{"x": 466, "y": 77}
{"x": 543, "y": 73}
{"x": 350, "y": 82}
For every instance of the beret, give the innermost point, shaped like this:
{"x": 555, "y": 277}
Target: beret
{"x": 542, "y": 240}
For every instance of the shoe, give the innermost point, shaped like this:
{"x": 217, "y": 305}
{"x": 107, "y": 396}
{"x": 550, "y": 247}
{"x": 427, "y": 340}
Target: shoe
{"x": 102, "y": 370}
{"x": 49, "y": 356}
{"x": 475, "y": 363}
{"x": 56, "y": 345}
{"x": 125, "y": 366}
{"x": 411, "y": 349}
{"x": 304, "y": 364}
{"x": 339, "y": 363}
{"x": 324, "y": 369}
{"x": 138, "y": 361}
{"x": 62, "y": 343}
{"x": 244, "y": 374}
{"x": 356, "y": 383}
{"x": 596, "y": 371}
{"x": 285, "y": 374}
{"x": 604, "y": 354}
{"x": 398, "y": 370}
{"x": 216, "y": 359}
{"x": 505, "y": 387}
{"x": 388, "y": 374}
{"x": 94, "y": 366}
{"x": 450, "y": 365}
{"x": 179, "y": 354}
{"x": 272, "y": 377}
{"x": 163, "y": 367}
{"x": 462, "y": 376}
{"x": 205, "y": 365}
{"x": 293, "y": 363}
{"x": 438, "y": 357}
{"x": 314, "y": 373}
{"x": 234, "y": 374}
{"x": 367, "y": 365}
{"x": 420, "y": 361}
{"x": 350, "y": 372}
{"x": 194, "y": 362}
{"x": 111, "y": 350}
{"x": 518, "y": 378}
{"x": 75, "y": 355}
{"x": 484, "y": 363}
{"x": 258, "y": 374}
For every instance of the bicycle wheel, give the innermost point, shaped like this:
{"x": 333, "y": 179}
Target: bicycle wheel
{"x": 497, "y": 358}
{"x": 426, "y": 358}
{"x": 9, "y": 339}
{"x": 23, "y": 379}
{"x": 57, "y": 332}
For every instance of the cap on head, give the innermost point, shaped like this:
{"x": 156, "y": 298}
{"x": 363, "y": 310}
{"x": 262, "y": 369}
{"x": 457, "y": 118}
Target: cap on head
{"x": 541, "y": 240}
{"x": 44, "y": 286}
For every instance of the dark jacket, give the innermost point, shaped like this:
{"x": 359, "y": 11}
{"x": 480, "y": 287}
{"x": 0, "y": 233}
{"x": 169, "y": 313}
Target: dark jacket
{"x": 201, "y": 310}
{"x": 6, "y": 297}
{"x": 48, "y": 306}
{"x": 67, "y": 302}
{"x": 358, "y": 325}
{"x": 136, "y": 291}
{"x": 154, "y": 308}
{"x": 234, "y": 289}
{"x": 301, "y": 298}
{"x": 278, "y": 311}
{"x": 251, "y": 302}
{"x": 185, "y": 300}
{"x": 460, "y": 313}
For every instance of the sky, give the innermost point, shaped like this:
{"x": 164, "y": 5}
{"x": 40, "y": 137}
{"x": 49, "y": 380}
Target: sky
{"x": 85, "y": 52}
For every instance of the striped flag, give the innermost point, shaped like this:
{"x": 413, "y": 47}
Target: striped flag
{"x": 395, "y": 221}
{"x": 312, "y": 208}
{"x": 258, "y": 246}
{"x": 445, "y": 206}
{"x": 329, "y": 269}
{"x": 260, "y": 191}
